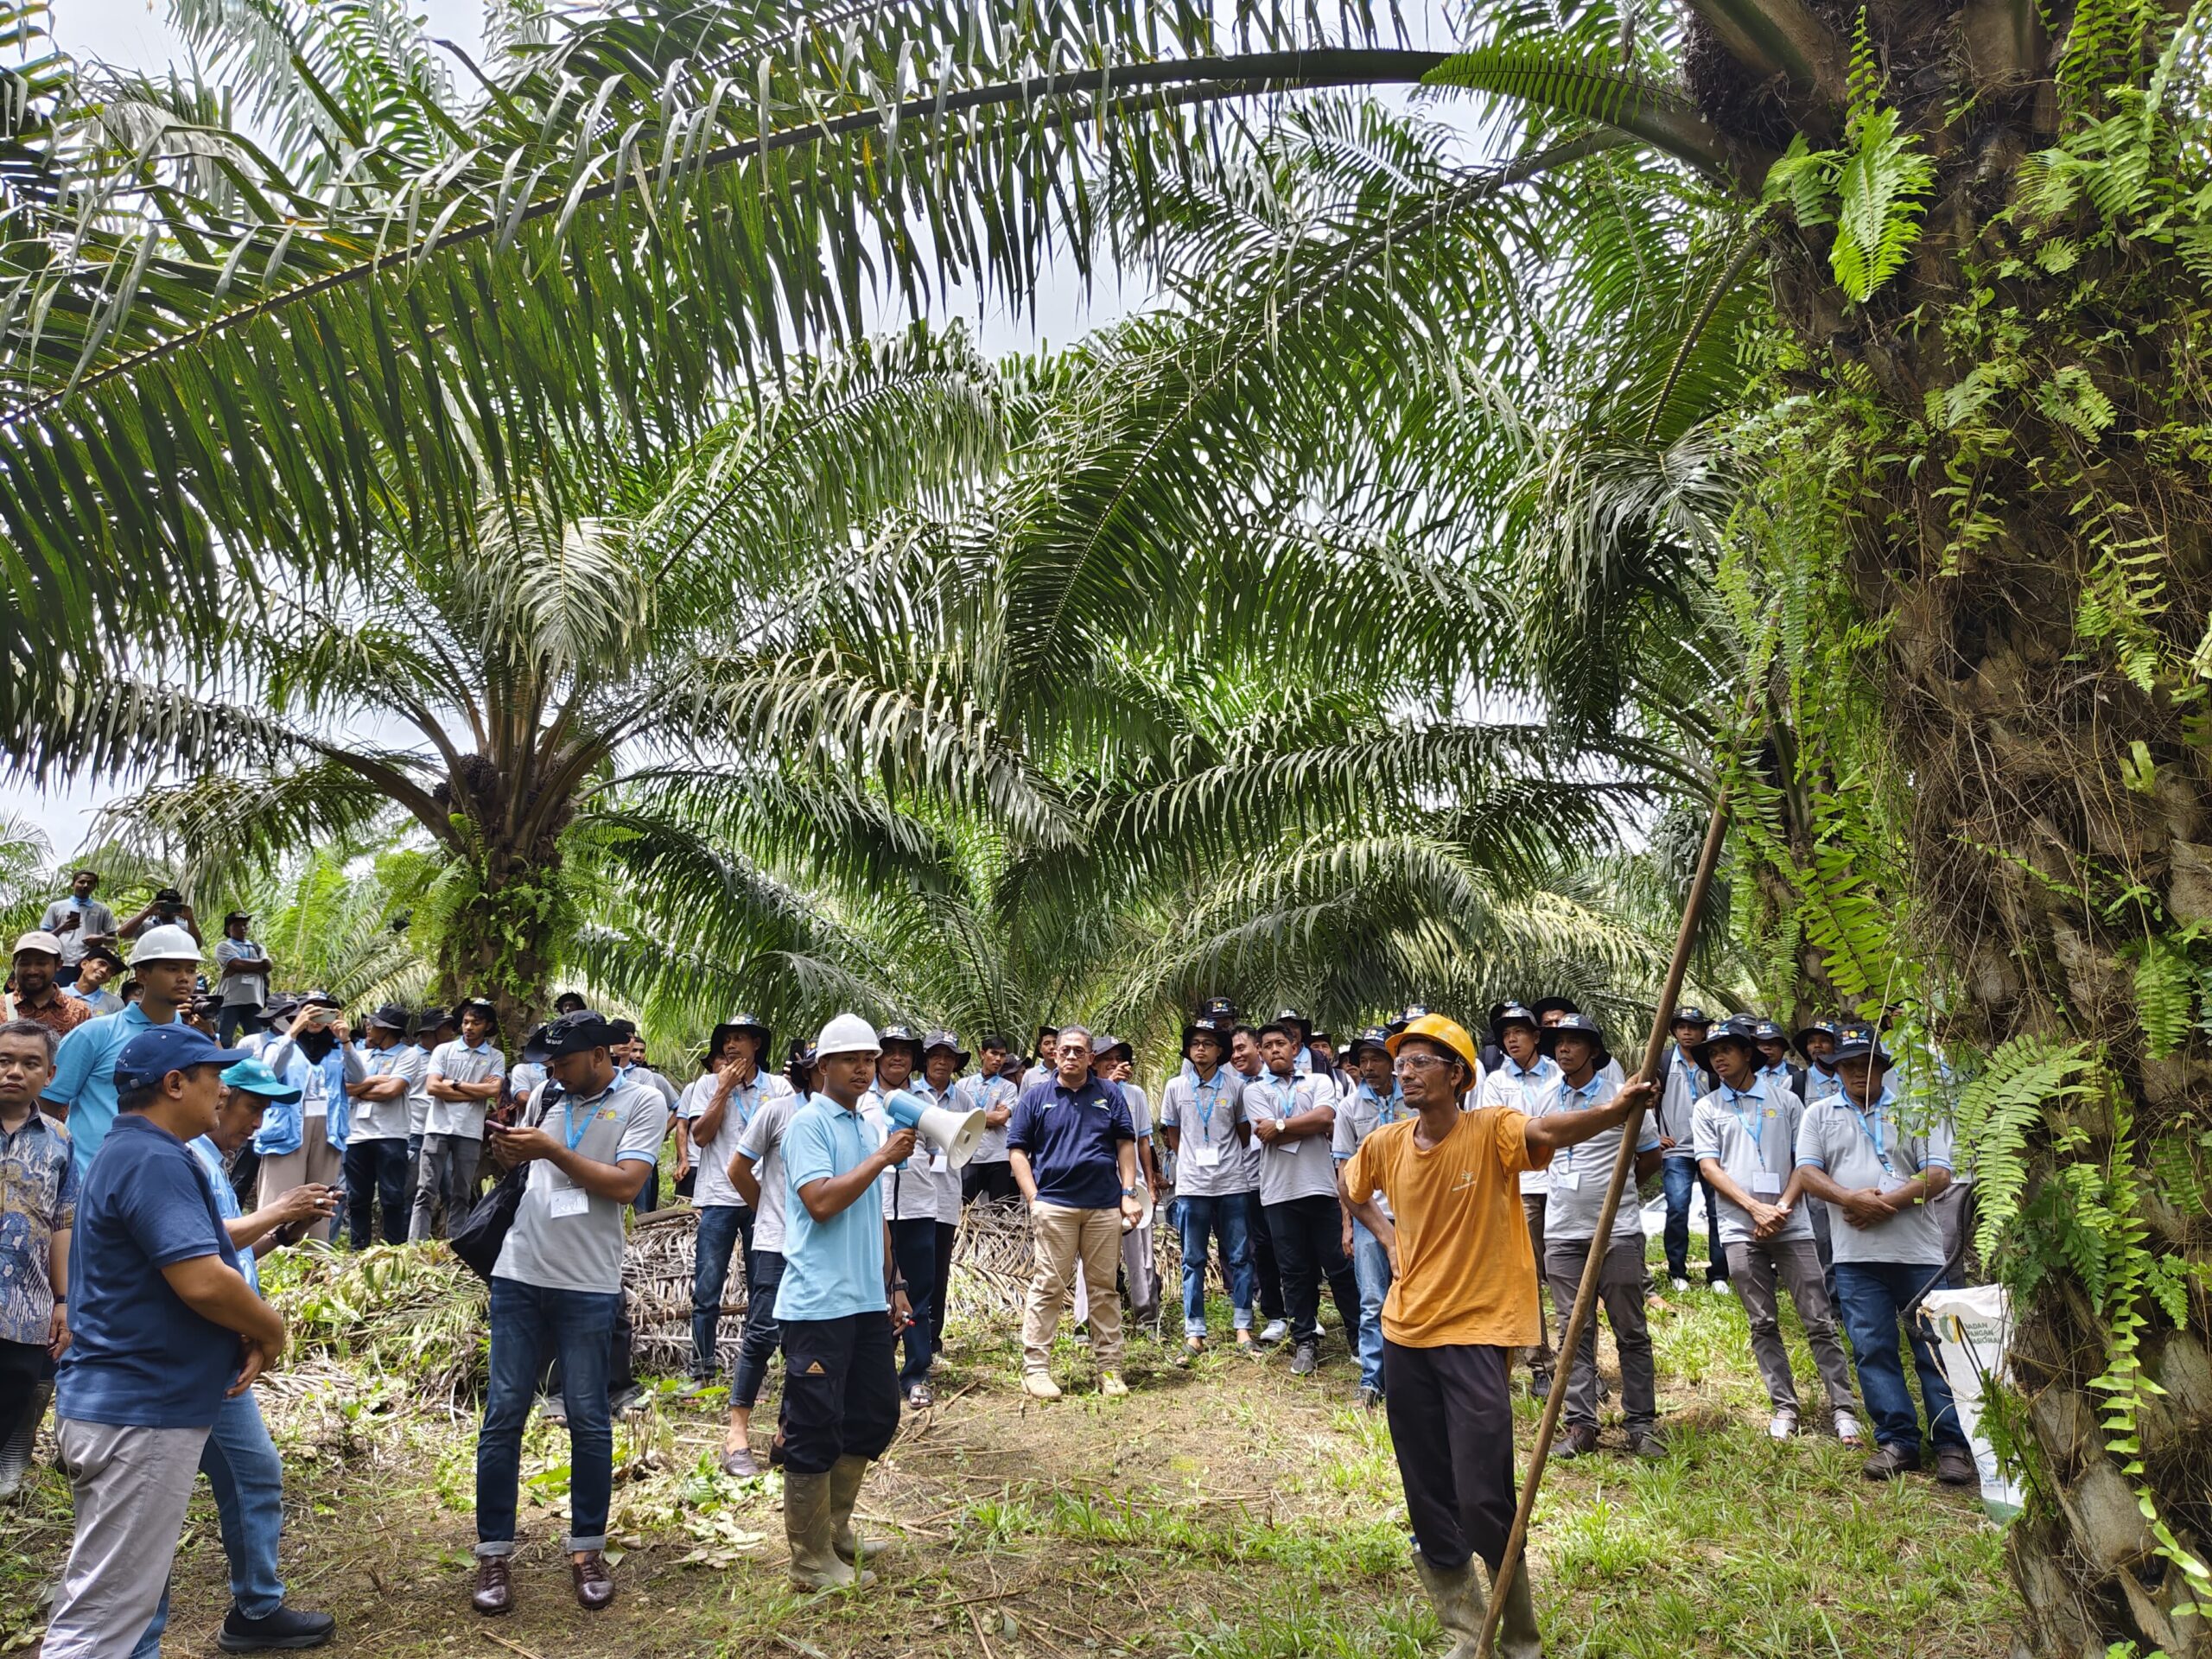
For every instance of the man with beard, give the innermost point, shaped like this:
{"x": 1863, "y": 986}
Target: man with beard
{"x": 38, "y": 958}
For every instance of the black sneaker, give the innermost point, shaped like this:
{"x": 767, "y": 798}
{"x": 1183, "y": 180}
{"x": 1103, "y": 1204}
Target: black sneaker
{"x": 1304, "y": 1358}
{"x": 286, "y": 1627}
{"x": 625, "y": 1401}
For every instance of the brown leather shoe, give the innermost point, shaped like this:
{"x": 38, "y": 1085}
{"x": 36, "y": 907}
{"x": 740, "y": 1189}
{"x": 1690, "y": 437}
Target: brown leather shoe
{"x": 495, "y": 1591}
{"x": 594, "y": 1585}
{"x": 1581, "y": 1440}
{"x": 1889, "y": 1462}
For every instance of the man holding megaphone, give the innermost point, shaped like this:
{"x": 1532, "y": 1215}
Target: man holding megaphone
{"x": 838, "y": 1304}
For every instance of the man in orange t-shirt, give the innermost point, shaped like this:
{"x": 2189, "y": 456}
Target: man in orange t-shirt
{"x": 1463, "y": 1296}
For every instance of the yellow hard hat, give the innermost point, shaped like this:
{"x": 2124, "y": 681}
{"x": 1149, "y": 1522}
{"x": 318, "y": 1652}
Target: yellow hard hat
{"x": 1438, "y": 1029}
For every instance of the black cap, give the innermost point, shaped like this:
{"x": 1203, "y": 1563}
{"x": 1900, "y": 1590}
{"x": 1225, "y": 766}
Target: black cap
{"x": 1315, "y": 1034}
{"x": 1770, "y": 1033}
{"x": 238, "y": 916}
{"x": 1827, "y": 1028}
{"x": 1737, "y": 1027}
{"x": 889, "y": 1034}
{"x": 1373, "y": 1037}
{"x": 1107, "y": 1045}
{"x": 1857, "y": 1042}
{"x": 1202, "y": 1024}
{"x": 572, "y": 1033}
{"x": 1512, "y": 1013}
{"x": 481, "y": 1004}
{"x": 938, "y": 1037}
{"x": 1689, "y": 1014}
{"x": 1574, "y": 1023}
{"x": 1218, "y": 1008}
{"x": 390, "y": 1017}
{"x": 762, "y": 1038}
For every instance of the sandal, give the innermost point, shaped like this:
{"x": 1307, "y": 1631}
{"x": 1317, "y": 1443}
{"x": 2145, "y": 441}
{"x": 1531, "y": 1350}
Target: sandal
{"x": 1192, "y": 1347}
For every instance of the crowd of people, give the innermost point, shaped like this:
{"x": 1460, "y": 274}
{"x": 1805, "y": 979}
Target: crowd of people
{"x": 1434, "y": 1185}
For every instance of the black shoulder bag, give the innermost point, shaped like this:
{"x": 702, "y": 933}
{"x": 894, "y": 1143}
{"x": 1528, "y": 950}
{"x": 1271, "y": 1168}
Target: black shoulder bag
{"x": 478, "y": 1240}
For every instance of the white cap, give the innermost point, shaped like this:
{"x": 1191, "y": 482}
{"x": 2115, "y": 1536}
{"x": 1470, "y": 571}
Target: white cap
{"x": 164, "y": 944}
{"x": 40, "y": 942}
{"x": 847, "y": 1034}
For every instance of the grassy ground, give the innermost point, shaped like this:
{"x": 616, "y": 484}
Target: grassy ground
{"x": 1232, "y": 1511}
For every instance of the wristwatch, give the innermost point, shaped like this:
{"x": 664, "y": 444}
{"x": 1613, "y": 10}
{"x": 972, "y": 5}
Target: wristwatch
{"x": 1131, "y": 1191}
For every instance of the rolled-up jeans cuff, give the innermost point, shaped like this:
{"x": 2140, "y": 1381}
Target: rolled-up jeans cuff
{"x": 492, "y": 1549}
{"x": 572, "y": 1544}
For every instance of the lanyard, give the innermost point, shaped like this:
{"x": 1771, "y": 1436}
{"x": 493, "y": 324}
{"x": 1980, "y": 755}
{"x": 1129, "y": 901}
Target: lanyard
{"x": 1587, "y": 1097}
{"x": 569, "y": 1129}
{"x": 1204, "y": 1096}
{"x": 1872, "y": 1132}
{"x": 1753, "y": 1127}
{"x": 1386, "y": 1111}
{"x": 1284, "y": 1096}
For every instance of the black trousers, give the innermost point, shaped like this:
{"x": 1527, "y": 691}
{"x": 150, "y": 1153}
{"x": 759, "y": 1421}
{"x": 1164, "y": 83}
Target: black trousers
{"x": 914, "y": 1252}
{"x": 23, "y": 1367}
{"x": 377, "y": 1174}
{"x": 1452, "y": 1426}
{"x": 840, "y": 1391}
{"x": 992, "y": 1181}
{"x": 941, "y": 1291}
{"x": 1309, "y": 1240}
{"x": 1265, "y": 1269}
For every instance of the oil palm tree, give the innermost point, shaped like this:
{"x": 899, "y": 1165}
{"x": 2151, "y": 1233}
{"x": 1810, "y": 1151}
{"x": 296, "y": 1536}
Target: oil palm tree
{"x": 1980, "y": 235}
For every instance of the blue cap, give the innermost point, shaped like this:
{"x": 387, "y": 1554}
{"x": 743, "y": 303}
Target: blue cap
{"x": 152, "y": 1055}
{"x": 253, "y": 1076}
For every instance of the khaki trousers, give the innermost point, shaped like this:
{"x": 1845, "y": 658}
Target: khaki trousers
{"x": 313, "y": 1162}
{"x": 1061, "y": 1237}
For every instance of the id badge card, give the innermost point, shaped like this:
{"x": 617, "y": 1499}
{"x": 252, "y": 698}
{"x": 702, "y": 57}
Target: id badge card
{"x": 1282, "y": 1144}
{"x": 570, "y": 1201}
{"x": 937, "y": 1163}
{"x": 1567, "y": 1180}
{"x": 1766, "y": 1184}
{"x": 1205, "y": 1157}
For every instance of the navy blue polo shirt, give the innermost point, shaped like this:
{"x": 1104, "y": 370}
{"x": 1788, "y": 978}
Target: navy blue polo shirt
{"x": 138, "y": 1357}
{"x": 1072, "y": 1136}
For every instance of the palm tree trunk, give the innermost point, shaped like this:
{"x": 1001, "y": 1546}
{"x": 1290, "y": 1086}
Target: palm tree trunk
{"x": 2038, "y": 685}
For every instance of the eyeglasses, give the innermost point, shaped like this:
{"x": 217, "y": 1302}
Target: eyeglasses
{"x": 1409, "y": 1063}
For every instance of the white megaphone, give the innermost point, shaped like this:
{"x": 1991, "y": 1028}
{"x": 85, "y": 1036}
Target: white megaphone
{"x": 953, "y": 1134}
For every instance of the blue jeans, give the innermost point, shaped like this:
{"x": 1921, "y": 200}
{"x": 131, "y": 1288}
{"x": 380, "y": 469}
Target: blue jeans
{"x": 1679, "y": 1175}
{"x": 1872, "y": 1296}
{"x": 1370, "y": 1264}
{"x": 722, "y": 1229}
{"x": 1196, "y": 1219}
{"x": 529, "y": 1322}
{"x": 241, "y": 1464}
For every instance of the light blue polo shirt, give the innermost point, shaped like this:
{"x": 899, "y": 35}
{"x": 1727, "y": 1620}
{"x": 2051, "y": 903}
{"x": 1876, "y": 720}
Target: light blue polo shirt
{"x": 84, "y": 1077}
{"x": 226, "y": 1200}
{"x": 832, "y": 1268}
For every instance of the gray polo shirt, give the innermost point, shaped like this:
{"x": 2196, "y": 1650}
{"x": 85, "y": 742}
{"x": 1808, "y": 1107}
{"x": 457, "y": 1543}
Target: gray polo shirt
{"x": 94, "y": 920}
{"x": 240, "y": 990}
{"x": 565, "y": 1237}
{"x": 1873, "y": 1149}
{"x": 1753, "y": 1136}
{"x": 1293, "y": 1169}
{"x": 762, "y": 1140}
{"x": 456, "y": 1062}
{"x": 1209, "y": 1163}
{"x": 713, "y": 1186}
{"x": 913, "y": 1190}
{"x": 1582, "y": 1173}
{"x": 387, "y": 1120}
{"x": 1360, "y": 1112}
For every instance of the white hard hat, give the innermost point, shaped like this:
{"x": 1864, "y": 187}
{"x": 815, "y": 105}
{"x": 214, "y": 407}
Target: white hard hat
{"x": 164, "y": 944}
{"x": 847, "y": 1034}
